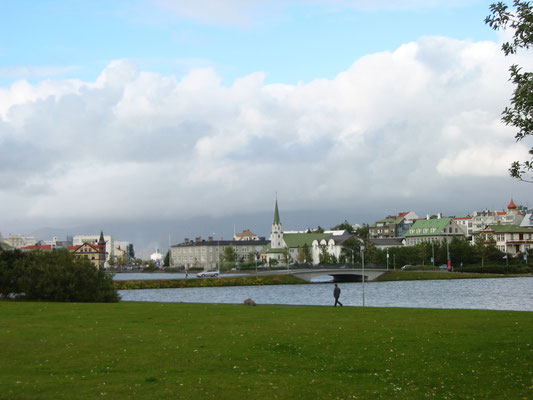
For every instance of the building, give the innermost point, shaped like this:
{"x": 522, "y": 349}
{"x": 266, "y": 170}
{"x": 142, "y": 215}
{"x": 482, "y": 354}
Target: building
{"x": 42, "y": 247}
{"x": 512, "y": 216}
{"x": 206, "y": 254}
{"x": 433, "y": 229}
{"x": 288, "y": 244}
{"x": 392, "y": 226}
{"x": 114, "y": 248}
{"x": 510, "y": 239}
{"x": 466, "y": 223}
{"x": 96, "y": 253}
{"x": 20, "y": 241}
{"x": 332, "y": 245}
{"x": 246, "y": 235}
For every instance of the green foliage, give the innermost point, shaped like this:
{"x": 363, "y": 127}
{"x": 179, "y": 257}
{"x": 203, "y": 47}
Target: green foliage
{"x": 8, "y": 277}
{"x": 55, "y": 276}
{"x": 229, "y": 281}
{"x": 496, "y": 269}
{"x": 520, "y": 113}
{"x": 304, "y": 254}
{"x": 229, "y": 255}
{"x": 363, "y": 231}
{"x": 346, "y": 226}
{"x": 351, "y": 251}
{"x": 166, "y": 261}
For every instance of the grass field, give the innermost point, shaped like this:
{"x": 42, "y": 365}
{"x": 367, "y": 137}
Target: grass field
{"x": 197, "y": 351}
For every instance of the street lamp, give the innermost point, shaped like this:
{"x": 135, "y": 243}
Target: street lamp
{"x": 387, "y": 258}
{"x": 363, "y": 267}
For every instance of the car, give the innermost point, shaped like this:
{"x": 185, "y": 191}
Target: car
{"x": 443, "y": 266}
{"x": 406, "y": 267}
{"x": 207, "y": 274}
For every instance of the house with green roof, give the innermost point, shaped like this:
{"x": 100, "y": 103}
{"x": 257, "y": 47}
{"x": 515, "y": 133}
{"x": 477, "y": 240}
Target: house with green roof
{"x": 433, "y": 229}
{"x": 392, "y": 226}
{"x": 510, "y": 239}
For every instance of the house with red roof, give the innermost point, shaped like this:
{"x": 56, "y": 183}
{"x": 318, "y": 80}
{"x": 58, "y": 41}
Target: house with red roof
{"x": 96, "y": 253}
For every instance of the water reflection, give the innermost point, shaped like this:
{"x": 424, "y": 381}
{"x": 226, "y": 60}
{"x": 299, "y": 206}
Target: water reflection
{"x": 489, "y": 294}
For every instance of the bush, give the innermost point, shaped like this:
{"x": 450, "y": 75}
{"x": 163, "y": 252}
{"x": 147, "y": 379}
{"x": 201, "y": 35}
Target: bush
{"x": 495, "y": 269}
{"x": 58, "y": 276}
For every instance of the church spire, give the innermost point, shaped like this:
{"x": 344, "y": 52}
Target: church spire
{"x": 276, "y": 214}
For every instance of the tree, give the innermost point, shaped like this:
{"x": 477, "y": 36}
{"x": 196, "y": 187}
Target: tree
{"x": 351, "y": 250}
{"x": 363, "y": 231}
{"x": 345, "y": 226}
{"x": 520, "y": 113}
{"x": 59, "y": 276}
{"x": 286, "y": 255}
{"x": 324, "y": 256}
{"x": 166, "y": 261}
{"x": 229, "y": 254}
{"x": 304, "y": 254}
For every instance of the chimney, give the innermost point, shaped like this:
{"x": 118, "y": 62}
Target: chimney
{"x": 198, "y": 239}
{"x": 186, "y": 240}
{"x": 210, "y": 238}
{"x": 439, "y": 215}
{"x": 427, "y": 216}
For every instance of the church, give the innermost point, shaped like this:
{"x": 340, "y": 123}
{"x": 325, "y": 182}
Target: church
{"x": 293, "y": 241}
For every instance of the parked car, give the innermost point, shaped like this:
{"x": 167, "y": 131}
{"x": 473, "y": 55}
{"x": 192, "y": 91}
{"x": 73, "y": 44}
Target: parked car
{"x": 406, "y": 267}
{"x": 443, "y": 266}
{"x": 207, "y": 274}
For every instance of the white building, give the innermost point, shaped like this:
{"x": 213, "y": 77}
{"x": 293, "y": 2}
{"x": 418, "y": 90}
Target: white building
{"x": 113, "y": 248}
{"x": 20, "y": 241}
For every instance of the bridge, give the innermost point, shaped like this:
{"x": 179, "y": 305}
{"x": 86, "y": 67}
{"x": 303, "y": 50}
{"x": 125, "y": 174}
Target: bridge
{"x": 339, "y": 275}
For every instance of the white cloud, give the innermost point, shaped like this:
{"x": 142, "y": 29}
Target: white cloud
{"x": 401, "y": 125}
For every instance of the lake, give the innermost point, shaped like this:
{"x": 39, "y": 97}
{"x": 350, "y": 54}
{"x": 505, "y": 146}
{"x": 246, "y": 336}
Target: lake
{"x": 487, "y": 294}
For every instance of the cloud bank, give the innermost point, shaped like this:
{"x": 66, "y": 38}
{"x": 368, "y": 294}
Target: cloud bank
{"x": 420, "y": 124}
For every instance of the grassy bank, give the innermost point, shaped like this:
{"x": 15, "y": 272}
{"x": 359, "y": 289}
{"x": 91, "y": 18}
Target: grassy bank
{"x": 432, "y": 275}
{"x": 209, "y": 282}
{"x": 195, "y": 351}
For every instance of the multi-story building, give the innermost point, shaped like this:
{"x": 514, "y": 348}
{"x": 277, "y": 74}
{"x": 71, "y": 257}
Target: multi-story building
{"x": 433, "y": 229}
{"x": 20, "y": 241}
{"x": 510, "y": 239}
{"x": 482, "y": 219}
{"x": 114, "y": 248}
{"x": 392, "y": 226}
{"x": 207, "y": 254}
{"x": 96, "y": 253}
{"x": 466, "y": 223}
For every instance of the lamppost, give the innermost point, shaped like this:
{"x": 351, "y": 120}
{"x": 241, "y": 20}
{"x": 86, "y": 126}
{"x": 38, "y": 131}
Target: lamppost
{"x": 433, "y": 252}
{"x": 363, "y": 268}
{"x": 218, "y": 254}
{"x": 387, "y": 258}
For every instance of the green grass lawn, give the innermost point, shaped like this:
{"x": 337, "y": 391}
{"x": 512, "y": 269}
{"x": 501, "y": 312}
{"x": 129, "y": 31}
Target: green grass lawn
{"x": 197, "y": 351}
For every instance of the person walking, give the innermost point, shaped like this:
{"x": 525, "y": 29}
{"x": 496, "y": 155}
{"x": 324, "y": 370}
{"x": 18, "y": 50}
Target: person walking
{"x": 336, "y": 294}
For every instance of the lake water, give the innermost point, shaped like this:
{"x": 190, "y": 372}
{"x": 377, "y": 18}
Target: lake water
{"x": 489, "y": 294}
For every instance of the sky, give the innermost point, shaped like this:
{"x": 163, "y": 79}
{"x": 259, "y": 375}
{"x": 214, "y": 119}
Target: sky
{"x": 172, "y": 110}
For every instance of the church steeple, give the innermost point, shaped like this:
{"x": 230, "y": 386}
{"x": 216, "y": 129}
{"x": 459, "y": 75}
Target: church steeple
{"x": 276, "y": 235}
{"x": 276, "y": 214}
{"x": 101, "y": 241}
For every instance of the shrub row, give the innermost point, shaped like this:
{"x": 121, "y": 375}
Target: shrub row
{"x": 496, "y": 269}
{"x": 211, "y": 282}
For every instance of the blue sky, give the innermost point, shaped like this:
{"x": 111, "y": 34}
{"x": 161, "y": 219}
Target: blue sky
{"x": 295, "y": 43}
{"x": 176, "y": 110}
